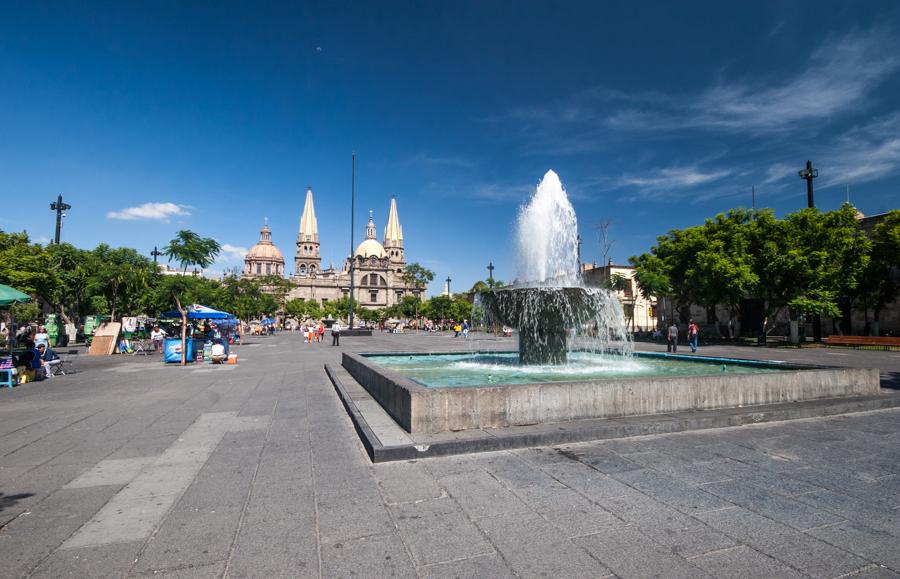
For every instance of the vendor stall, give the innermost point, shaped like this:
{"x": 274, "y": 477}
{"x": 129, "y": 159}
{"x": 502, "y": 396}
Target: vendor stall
{"x": 199, "y": 344}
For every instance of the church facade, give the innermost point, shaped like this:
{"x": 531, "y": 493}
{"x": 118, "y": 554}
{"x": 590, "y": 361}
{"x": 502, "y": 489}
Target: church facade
{"x": 376, "y": 267}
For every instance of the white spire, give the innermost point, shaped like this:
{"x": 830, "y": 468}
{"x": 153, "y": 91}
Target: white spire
{"x": 309, "y": 227}
{"x": 393, "y": 232}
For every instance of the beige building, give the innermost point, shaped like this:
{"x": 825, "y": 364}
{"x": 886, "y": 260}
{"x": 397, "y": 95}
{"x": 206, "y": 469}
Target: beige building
{"x": 378, "y": 267}
{"x": 640, "y": 313}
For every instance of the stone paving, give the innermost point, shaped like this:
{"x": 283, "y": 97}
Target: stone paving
{"x": 131, "y": 468}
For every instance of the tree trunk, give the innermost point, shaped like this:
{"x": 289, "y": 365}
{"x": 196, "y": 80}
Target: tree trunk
{"x": 183, "y": 313}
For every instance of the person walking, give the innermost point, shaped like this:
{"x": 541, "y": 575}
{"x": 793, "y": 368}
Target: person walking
{"x": 466, "y": 329}
{"x": 693, "y": 336}
{"x": 336, "y": 334}
{"x": 672, "y": 344}
{"x": 321, "y": 333}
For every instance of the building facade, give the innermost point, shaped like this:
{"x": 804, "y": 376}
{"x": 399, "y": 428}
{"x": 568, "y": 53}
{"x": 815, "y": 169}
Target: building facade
{"x": 376, "y": 267}
{"x": 640, "y": 312}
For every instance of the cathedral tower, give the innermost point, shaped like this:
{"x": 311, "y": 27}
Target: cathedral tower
{"x": 307, "y": 261}
{"x": 393, "y": 235}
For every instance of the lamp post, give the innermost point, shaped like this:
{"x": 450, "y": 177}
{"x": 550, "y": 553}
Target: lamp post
{"x": 490, "y": 269}
{"x": 808, "y": 174}
{"x": 60, "y": 208}
{"x": 352, "y": 225}
{"x": 448, "y": 280}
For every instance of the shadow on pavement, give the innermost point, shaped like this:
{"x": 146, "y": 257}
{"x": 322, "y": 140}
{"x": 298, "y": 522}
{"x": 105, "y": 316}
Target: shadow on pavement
{"x": 7, "y": 501}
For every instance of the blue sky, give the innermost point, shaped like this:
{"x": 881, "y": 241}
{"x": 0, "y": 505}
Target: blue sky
{"x": 655, "y": 116}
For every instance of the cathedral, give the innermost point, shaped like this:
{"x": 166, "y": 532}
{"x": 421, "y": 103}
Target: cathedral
{"x": 377, "y": 267}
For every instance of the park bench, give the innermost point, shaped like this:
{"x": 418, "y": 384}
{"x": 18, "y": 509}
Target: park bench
{"x": 865, "y": 342}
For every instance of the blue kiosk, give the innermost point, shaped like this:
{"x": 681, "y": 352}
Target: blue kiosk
{"x": 225, "y": 322}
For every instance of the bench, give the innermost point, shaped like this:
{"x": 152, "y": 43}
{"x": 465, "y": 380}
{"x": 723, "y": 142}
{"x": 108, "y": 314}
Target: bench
{"x": 865, "y": 342}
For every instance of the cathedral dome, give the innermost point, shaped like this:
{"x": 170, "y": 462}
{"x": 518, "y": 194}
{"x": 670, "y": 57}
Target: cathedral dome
{"x": 370, "y": 247}
{"x": 264, "y": 248}
{"x": 268, "y": 252}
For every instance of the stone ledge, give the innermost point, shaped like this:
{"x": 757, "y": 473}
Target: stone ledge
{"x": 488, "y": 440}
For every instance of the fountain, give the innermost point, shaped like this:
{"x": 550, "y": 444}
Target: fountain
{"x": 575, "y": 359}
{"x": 548, "y": 304}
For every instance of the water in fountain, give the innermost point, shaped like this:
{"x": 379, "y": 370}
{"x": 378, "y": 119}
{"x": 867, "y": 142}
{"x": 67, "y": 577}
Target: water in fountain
{"x": 549, "y": 305}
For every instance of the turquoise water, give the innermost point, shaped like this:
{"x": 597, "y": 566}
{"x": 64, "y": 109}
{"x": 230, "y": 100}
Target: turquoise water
{"x": 458, "y": 370}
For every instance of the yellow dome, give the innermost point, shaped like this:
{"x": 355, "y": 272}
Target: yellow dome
{"x": 265, "y": 251}
{"x": 370, "y": 247}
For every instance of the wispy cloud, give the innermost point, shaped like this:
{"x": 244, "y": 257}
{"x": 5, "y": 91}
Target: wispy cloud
{"x": 671, "y": 178}
{"x": 837, "y": 78}
{"x": 866, "y": 153}
{"x": 779, "y": 171}
{"x": 151, "y": 211}
{"x": 440, "y": 161}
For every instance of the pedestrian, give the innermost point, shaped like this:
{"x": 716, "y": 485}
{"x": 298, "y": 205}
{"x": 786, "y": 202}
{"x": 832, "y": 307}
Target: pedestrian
{"x": 672, "y": 345}
{"x": 693, "y": 336}
{"x": 305, "y": 332}
{"x": 42, "y": 337}
{"x": 466, "y": 329}
{"x": 321, "y": 333}
{"x": 157, "y": 336}
{"x": 336, "y": 334}
{"x": 310, "y": 331}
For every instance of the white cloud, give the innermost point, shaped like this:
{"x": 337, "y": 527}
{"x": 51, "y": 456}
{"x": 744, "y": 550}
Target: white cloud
{"x": 671, "y": 178}
{"x": 836, "y": 78}
{"x": 151, "y": 211}
{"x": 779, "y": 171}
{"x": 866, "y": 153}
{"x": 232, "y": 253}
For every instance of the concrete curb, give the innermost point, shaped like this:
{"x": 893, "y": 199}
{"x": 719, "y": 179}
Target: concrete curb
{"x": 603, "y": 428}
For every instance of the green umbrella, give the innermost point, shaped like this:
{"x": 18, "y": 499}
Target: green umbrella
{"x": 10, "y": 296}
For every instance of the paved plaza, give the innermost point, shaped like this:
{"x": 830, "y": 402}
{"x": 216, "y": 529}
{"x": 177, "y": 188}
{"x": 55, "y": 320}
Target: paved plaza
{"x": 132, "y": 468}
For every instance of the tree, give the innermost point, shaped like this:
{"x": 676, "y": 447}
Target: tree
{"x": 604, "y": 240}
{"x": 417, "y": 276}
{"x": 440, "y": 307}
{"x": 881, "y": 280}
{"x": 188, "y": 249}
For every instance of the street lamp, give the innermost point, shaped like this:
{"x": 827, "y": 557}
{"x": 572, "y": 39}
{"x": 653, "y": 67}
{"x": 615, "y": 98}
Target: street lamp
{"x": 352, "y": 225}
{"x": 808, "y": 174}
{"x": 59, "y": 207}
{"x": 490, "y": 269}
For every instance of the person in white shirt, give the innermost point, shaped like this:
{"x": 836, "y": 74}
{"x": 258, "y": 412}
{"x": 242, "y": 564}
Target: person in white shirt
{"x": 42, "y": 337}
{"x": 336, "y": 334}
{"x": 157, "y": 336}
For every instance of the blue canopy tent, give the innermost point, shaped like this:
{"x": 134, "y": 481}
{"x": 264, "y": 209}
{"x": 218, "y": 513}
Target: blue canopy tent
{"x": 224, "y": 321}
{"x": 198, "y": 312}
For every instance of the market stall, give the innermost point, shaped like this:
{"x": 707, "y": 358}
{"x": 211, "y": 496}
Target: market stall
{"x": 200, "y": 344}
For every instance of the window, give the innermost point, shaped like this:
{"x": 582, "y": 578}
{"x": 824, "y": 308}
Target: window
{"x": 324, "y": 301}
{"x": 268, "y": 269}
{"x": 312, "y": 269}
{"x": 303, "y": 269}
{"x": 373, "y": 296}
{"x": 259, "y": 269}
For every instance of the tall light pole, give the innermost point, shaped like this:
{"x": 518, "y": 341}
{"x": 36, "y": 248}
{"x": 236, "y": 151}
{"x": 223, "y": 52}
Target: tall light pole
{"x": 60, "y": 208}
{"x": 448, "y": 280}
{"x": 352, "y": 225}
{"x": 490, "y": 269}
{"x": 808, "y": 174}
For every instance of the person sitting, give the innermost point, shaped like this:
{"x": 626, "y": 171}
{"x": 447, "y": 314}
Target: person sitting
{"x": 49, "y": 360}
{"x": 217, "y": 353}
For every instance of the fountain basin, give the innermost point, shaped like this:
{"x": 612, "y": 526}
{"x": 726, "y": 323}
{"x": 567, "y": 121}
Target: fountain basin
{"x": 422, "y": 409}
